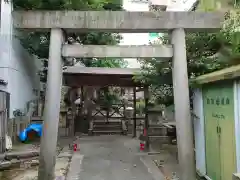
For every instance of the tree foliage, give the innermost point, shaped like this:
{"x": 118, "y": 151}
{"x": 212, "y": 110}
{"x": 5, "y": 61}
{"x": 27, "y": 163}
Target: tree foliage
{"x": 37, "y": 43}
{"x": 206, "y": 52}
{"x": 230, "y": 35}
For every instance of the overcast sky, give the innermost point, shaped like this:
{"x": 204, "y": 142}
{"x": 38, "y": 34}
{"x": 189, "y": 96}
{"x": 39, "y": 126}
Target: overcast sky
{"x": 141, "y": 39}
{"x": 134, "y": 39}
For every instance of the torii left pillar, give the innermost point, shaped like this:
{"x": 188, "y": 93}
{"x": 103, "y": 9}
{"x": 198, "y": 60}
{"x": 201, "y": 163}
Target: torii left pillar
{"x": 52, "y": 107}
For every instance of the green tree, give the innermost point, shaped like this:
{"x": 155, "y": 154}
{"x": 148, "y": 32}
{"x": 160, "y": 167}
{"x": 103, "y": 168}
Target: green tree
{"x": 206, "y": 52}
{"x": 37, "y": 43}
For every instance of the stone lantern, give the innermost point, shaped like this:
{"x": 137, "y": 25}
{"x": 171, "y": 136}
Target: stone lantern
{"x": 129, "y": 112}
{"x": 155, "y": 115}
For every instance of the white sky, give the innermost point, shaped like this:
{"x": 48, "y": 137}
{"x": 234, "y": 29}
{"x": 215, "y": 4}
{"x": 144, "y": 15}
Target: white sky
{"x": 140, "y": 38}
{"x": 134, "y": 38}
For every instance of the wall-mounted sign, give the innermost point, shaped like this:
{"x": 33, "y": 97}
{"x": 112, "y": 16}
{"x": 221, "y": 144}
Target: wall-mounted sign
{"x": 218, "y": 101}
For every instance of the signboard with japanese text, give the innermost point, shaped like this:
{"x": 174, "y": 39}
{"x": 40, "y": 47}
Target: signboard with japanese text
{"x": 218, "y": 102}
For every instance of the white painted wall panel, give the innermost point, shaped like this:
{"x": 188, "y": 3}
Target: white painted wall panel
{"x": 17, "y": 67}
{"x": 199, "y": 135}
{"x": 237, "y": 120}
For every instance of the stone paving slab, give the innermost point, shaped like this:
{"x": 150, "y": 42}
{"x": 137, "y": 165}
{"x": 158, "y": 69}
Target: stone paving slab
{"x": 110, "y": 158}
{"x": 75, "y": 167}
{"x": 152, "y": 168}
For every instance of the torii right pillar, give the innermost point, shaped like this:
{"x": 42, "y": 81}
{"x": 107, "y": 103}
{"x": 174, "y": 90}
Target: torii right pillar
{"x": 182, "y": 106}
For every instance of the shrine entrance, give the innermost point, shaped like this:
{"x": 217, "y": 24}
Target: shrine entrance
{"x": 108, "y": 115}
{"x": 176, "y": 23}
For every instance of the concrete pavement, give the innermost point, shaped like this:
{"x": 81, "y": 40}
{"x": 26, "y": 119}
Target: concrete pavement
{"x": 111, "y": 158}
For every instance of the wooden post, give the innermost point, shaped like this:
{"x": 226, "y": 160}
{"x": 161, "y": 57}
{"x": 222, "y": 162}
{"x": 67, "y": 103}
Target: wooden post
{"x": 82, "y": 100}
{"x": 72, "y": 120}
{"x": 146, "y": 97}
{"x": 107, "y": 113}
{"x": 134, "y": 112}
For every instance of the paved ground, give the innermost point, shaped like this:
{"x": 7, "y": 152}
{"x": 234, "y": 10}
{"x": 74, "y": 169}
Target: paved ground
{"x": 112, "y": 158}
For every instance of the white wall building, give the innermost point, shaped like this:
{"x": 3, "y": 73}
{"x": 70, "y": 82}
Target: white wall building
{"x": 17, "y": 67}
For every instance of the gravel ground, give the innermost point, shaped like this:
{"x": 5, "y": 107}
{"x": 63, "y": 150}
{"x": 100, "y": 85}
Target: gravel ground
{"x": 62, "y": 162}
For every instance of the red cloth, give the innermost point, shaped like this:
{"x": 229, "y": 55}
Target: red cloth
{"x": 142, "y": 146}
{"x": 75, "y": 147}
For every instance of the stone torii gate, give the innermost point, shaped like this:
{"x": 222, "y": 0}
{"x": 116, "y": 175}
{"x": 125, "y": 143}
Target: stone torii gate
{"x": 177, "y": 23}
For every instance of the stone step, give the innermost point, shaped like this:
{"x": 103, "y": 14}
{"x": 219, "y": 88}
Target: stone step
{"x": 156, "y": 127}
{"x": 157, "y": 131}
{"x": 107, "y": 123}
{"x": 107, "y": 128}
{"x": 153, "y": 131}
{"x": 110, "y": 127}
{"x": 160, "y": 139}
{"x": 107, "y": 131}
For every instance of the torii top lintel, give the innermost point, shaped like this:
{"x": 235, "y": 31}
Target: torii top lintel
{"x": 118, "y": 21}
